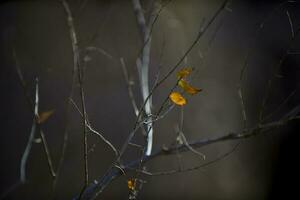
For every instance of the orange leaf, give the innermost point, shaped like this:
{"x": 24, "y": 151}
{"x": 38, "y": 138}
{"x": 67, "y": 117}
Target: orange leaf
{"x": 188, "y": 88}
{"x": 131, "y": 184}
{"x": 184, "y": 72}
{"x": 177, "y": 98}
{"x": 44, "y": 116}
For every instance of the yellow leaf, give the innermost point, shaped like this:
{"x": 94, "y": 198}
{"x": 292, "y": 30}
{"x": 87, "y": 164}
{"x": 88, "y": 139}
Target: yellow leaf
{"x": 44, "y": 116}
{"x": 188, "y": 88}
{"x": 177, "y": 98}
{"x": 131, "y": 184}
{"x": 184, "y": 72}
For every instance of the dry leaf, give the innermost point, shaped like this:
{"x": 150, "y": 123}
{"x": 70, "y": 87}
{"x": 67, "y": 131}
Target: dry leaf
{"x": 131, "y": 184}
{"x": 44, "y": 116}
{"x": 184, "y": 72}
{"x": 177, "y": 98}
{"x": 188, "y": 88}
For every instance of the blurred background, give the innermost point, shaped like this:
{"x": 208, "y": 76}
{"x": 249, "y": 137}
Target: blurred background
{"x": 262, "y": 167}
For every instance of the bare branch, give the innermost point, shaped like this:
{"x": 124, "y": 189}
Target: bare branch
{"x": 94, "y": 131}
{"x": 249, "y": 54}
{"x": 272, "y": 78}
{"x": 280, "y": 105}
{"x": 99, "y": 185}
{"x": 76, "y": 62}
{"x": 34, "y": 110}
{"x": 30, "y": 139}
{"x": 170, "y": 172}
{"x": 291, "y": 24}
{"x": 143, "y": 62}
{"x": 199, "y": 36}
{"x": 129, "y": 86}
{"x": 99, "y": 50}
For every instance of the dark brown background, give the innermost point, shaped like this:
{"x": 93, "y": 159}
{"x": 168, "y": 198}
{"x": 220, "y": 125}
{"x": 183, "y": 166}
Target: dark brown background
{"x": 261, "y": 168}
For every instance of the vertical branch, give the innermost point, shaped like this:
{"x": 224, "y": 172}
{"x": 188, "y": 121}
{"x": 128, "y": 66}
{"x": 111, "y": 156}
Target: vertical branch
{"x": 76, "y": 62}
{"x": 143, "y": 66}
{"x": 31, "y": 137}
{"x": 34, "y": 109}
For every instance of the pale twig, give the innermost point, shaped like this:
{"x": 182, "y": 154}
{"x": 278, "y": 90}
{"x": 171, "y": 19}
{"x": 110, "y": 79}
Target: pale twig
{"x": 130, "y": 91}
{"x": 129, "y": 86}
{"x": 185, "y": 142}
{"x": 183, "y": 139}
{"x": 30, "y": 139}
{"x": 178, "y": 140}
{"x": 36, "y": 116}
{"x": 242, "y": 102}
{"x": 66, "y": 128}
{"x": 76, "y": 62}
{"x": 99, "y": 50}
{"x": 47, "y": 152}
{"x": 291, "y": 23}
{"x": 89, "y": 126}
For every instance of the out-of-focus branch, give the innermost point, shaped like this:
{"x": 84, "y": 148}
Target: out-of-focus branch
{"x": 34, "y": 110}
{"x": 249, "y": 54}
{"x": 143, "y": 62}
{"x": 283, "y": 57}
{"x": 31, "y": 137}
{"x": 144, "y": 54}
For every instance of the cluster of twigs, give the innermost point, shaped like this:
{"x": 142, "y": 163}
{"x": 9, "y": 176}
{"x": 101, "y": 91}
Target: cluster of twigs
{"x": 145, "y": 118}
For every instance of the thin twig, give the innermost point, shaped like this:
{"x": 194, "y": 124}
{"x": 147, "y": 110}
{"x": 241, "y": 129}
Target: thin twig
{"x": 280, "y": 105}
{"x": 249, "y": 54}
{"x": 99, "y": 50}
{"x": 283, "y": 57}
{"x": 94, "y": 131}
{"x": 129, "y": 87}
{"x": 76, "y": 62}
{"x": 98, "y": 186}
{"x": 47, "y": 152}
{"x": 170, "y": 172}
{"x": 31, "y": 137}
{"x": 291, "y": 23}
{"x": 185, "y": 142}
{"x": 36, "y": 116}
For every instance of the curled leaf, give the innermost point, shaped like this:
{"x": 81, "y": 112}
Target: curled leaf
{"x": 131, "y": 184}
{"x": 184, "y": 72}
{"x": 177, "y": 98}
{"x": 44, "y": 116}
{"x": 188, "y": 88}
